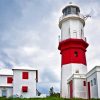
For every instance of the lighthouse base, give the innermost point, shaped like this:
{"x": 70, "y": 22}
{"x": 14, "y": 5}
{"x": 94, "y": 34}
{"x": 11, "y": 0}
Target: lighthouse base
{"x": 67, "y": 71}
{"x": 77, "y": 86}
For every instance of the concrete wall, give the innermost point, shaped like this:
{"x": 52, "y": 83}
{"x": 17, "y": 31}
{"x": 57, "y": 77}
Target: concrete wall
{"x": 18, "y": 82}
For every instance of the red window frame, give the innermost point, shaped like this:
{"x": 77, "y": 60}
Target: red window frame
{"x": 24, "y": 88}
{"x": 25, "y": 75}
{"x": 84, "y": 83}
{"x": 9, "y": 80}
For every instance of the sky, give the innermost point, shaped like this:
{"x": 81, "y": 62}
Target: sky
{"x": 29, "y": 36}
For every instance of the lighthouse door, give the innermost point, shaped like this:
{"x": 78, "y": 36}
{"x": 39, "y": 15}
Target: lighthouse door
{"x": 89, "y": 94}
{"x": 71, "y": 89}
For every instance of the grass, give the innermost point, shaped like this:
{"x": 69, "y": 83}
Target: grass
{"x": 48, "y": 98}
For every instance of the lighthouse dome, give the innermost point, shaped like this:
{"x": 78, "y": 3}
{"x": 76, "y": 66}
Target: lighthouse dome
{"x": 71, "y": 9}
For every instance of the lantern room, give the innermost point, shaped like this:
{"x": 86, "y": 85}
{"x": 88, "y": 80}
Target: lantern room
{"x": 71, "y": 9}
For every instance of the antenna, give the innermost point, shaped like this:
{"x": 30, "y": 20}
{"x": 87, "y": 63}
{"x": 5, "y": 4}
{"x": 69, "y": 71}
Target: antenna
{"x": 89, "y": 15}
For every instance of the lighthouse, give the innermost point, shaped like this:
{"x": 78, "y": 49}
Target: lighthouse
{"x": 72, "y": 46}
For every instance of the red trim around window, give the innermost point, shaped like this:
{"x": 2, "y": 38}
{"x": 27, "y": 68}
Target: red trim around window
{"x": 25, "y": 75}
{"x": 9, "y": 79}
{"x": 24, "y": 88}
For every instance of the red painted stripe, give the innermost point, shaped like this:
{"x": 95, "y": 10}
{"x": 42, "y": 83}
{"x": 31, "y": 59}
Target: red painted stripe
{"x": 73, "y": 51}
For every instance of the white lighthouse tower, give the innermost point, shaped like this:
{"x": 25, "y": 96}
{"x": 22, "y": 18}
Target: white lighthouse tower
{"x": 72, "y": 48}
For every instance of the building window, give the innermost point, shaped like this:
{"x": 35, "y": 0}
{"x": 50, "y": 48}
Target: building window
{"x": 91, "y": 83}
{"x": 84, "y": 83}
{"x": 9, "y": 79}
{"x": 24, "y": 88}
{"x": 25, "y": 75}
{"x": 94, "y": 81}
{"x": 76, "y": 54}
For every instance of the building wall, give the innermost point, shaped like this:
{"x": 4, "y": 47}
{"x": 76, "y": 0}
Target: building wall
{"x": 18, "y": 82}
{"x": 4, "y": 85}
{"x": 98, "y": 83}
{"x": 3, "y": 80}
{"x": 72, "y": 29}
{"x": 65, "y": 30}
{"x": 79, "y": 90}
{"x": 93, "y": 88}
{"x": 66, "y": 72}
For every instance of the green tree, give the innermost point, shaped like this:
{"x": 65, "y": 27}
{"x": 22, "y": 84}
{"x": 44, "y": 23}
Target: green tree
{"x": 51, "y": 92}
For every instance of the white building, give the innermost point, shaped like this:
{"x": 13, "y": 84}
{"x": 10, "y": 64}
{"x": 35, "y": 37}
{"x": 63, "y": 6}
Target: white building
{"x": 75, "y": 81}
{"x": 18, "y": 82}
{"x": 24, "y": 82}
{"x": 6, "y": 78}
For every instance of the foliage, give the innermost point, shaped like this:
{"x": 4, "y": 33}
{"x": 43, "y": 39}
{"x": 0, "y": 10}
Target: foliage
{"x": 51, "y": 91}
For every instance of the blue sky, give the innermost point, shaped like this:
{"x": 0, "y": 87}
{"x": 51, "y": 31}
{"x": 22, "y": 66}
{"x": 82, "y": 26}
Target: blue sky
{"x": 29, "y": 35}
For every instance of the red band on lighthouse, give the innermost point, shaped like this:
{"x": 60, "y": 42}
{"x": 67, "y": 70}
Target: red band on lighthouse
{"x": 73, "y": 51}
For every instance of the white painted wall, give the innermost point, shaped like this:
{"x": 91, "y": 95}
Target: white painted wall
{"x": 3, "y": 80}
{"x": 65, "y": 30}
{"x": 94, "y": 89}
{"x": 66, "y": 72}
{"x": 98, "y": 83}
{"x": 79, "y": 90}
{"x": 72, "y": 29}
{"x": 5, "y": 85}
{"x": 18, "y": 82}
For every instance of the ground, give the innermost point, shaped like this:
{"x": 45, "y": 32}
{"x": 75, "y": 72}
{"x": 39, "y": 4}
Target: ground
{"x": 48, "y": 98}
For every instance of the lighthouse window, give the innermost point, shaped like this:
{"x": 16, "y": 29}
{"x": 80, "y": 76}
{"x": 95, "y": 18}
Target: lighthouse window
{"x": 94, "y": 81}
{"x": 69, "y": 10}
{"x": 76, "y": 54}
{"x": 84, "y": 83}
